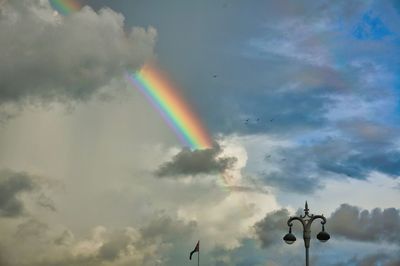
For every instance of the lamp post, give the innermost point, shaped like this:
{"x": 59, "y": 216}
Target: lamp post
{"x": 306, "y": 220}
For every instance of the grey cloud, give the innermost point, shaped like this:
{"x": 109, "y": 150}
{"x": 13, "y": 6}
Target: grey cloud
{"x": 270, "y": 229}
{"x": 356, "y": 157}
{"x": 271, "y": 98}
{"x": 347, "y": 221}
{"x": 359, "y": 148}
{"x": 68, "y": 261}
{"x": 31, "y": 228}
{"x": 188, "y": 162}
{"x": 163, "y": 241}
{"x": 297, "y": 171}
{"x": 368, "y": 131}
{"x": 118, "y": 243}
{"x": 167, "y": 228}
{"x": 362, "y": 225}
{"x": 302, "y": 181}
{"x": 57, "y": 58}
{"x": 382, "y": 259}
{"x": 370, "y": 146}
{"x": 166, "y": 231}
{"x": 12, "y": 184}
{"x": 46, "y": 202}
{"x": 65, "y": 238}
{"x": 248, "y": 189}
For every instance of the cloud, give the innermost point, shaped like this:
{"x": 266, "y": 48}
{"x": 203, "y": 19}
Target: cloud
{"x": 355, "y": 148}
{"x": 164, "y": 241}
{"x": 53, "y": 58}
{"x": 347, "y": 221}
{"x": 196, "y": 162}
{"x": 363, "y": 225}
{"x": 249, "y": 189}
{"x": 65, "y": 238}
{"x": 31, "y": 228}
{"x": 270, "y": 229}
{"x": 12, "y": 184}
{"x": 117, "y": 244}
{"x": 46, "y": 202}
{"x": 379, "y": 258}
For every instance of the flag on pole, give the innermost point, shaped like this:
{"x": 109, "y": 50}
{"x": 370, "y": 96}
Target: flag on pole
{"x": 196, "y": 249}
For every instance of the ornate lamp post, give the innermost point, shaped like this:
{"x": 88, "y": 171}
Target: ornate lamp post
{"x": 306, "y": 220}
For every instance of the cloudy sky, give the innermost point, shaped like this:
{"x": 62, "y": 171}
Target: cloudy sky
{"x": 301, "y": 99}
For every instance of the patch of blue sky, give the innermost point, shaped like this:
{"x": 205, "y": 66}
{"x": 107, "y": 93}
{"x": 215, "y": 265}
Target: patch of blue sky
{"x": 370, "y": 28}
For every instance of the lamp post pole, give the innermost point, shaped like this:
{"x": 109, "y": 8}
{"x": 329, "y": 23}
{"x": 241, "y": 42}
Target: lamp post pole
{"x": 306, "y": 220}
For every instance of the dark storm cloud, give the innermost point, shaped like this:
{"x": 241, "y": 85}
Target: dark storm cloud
{"x": 196, "y": 162}
{"x": 45, "y": 57}
{"x": 363, "y": 225}
{"x": 12, "y": 184}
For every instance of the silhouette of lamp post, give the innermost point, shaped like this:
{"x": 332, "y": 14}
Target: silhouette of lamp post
{"x": 306, "y": 220}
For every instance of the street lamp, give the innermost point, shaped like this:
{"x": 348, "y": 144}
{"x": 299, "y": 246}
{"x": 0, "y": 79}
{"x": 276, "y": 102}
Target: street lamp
{"x": 306, "y": 220}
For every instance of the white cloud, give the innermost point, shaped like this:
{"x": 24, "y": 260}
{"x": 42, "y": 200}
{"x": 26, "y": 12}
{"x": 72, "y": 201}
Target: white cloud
{"x": 46, "y": 57}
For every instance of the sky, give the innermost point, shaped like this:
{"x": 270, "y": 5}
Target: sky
{"x": 300, "y": 99}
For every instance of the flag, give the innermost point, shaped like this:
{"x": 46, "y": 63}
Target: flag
{"x": 196, "y": 249}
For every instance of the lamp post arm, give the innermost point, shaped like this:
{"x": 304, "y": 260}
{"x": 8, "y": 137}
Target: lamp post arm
{"x": 314, "y": 217}
{"x": 291, "y": 219}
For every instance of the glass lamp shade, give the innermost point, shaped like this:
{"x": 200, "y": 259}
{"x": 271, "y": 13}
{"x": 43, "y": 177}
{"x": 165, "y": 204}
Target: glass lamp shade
{"x": 323, "y": 236}
{"x": 289, "y": 238}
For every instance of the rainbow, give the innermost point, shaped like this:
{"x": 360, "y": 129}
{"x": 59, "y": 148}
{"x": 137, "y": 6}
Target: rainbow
{"x": 65, "y": 7}
{"x": 172, "y": 107}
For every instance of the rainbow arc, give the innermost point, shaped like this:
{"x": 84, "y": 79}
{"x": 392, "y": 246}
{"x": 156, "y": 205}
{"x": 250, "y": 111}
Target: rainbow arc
{"x": 65, "y": 7}
{"x": 175, "y": 111}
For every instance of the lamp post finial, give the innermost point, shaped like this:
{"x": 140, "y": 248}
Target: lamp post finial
{"x": 306, "y": 208}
